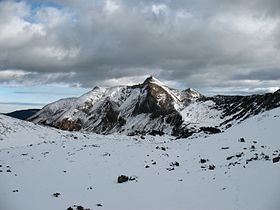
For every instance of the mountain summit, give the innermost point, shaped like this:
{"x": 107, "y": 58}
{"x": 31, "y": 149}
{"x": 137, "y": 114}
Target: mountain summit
{"x": 152, "y": 107}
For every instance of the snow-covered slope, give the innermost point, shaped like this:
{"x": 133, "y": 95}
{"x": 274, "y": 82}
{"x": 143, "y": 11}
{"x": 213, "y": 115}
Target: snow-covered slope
{"x": 152, "y": 107}
{"x": 53, "y": 170}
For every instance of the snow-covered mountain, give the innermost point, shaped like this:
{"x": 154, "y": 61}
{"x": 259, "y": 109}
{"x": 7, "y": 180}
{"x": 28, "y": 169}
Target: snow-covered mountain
{"x": 50, "y": 169}
{"x": 152, "y": 107}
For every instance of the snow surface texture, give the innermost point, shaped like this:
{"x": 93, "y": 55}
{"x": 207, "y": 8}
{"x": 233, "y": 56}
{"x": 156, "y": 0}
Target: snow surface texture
{"x": 48, "y": 169}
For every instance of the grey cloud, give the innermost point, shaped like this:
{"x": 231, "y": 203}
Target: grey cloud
{"x": 262, "y": 74}
{"x": 196, "y": 43}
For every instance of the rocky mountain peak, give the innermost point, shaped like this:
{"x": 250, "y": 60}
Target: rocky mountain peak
{"x": 152, "y": 107}
{"x": 152, "y": 79}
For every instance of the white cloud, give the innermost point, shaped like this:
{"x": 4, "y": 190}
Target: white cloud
{"x": 111, "y": 6}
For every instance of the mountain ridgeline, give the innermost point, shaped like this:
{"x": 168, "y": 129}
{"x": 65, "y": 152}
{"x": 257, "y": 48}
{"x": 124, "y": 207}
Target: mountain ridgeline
{"x": 152, "y": 108}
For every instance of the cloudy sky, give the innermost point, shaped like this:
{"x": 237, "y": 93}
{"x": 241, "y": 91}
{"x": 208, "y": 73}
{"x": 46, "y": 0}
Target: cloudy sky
{"x": 61, "y": 48}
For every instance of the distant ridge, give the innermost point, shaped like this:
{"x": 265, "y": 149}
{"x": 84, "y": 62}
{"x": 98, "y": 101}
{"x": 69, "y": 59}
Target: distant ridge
{"x": 22, "y": 114}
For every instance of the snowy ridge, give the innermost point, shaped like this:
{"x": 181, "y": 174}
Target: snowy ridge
{"x": 152, "y": 107}
{"x": 44, "y": 168}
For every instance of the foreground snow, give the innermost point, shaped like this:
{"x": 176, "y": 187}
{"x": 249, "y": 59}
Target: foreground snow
{"x": 83, "y": 168}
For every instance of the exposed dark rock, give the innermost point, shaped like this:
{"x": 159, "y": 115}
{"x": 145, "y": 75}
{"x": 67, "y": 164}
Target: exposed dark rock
{"x": 239, "y": 154}
{"x": 211, "y": 167}
{"x": 210, "y": 130}
{"x": 132, "y": 178}
{"x": 170, "y": 169}
{"x": 155, "y": 132}
{"x": 225, "y": 148}
{"x": 70, "y": 125}
{"x": 241, "y": 140}
{"x": 56, "y": 194}
{"x": 203, "y": 160}
{"x": 174, "y": 164}
{"x": 122, "y": 178}
{"x": 276, "y": 159}
{"x": 230, "y": 157}
{"x": 80, "y": 208}
{"x": 121, "y": 121}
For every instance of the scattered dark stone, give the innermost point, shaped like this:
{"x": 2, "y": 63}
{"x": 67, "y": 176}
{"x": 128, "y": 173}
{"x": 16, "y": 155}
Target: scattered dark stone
{"x": 99, "y": 205}
{"x": 1, "y": 171}
{"x": 9, "y": 171}
{"x": 75, "y": 137}
{"x": 230, "y": 157}
{"x": 211, "y": 167}
{"x": 262, "y": 146}
{"x": 170, "y": 169}
{"x": 203, "y": 166}
{"x": 122, "y": 178}
{"x": 225, "y": 148}
{"x": 163, "y": 148}
{"x": 174, "y": 164}
{"x": 244, "y": 148}
{"x": 15, "y": 190}
{"x": 228, "y": 126}
{"x": 147, "y": 166}
{"x": 266, "y": 157}
{"x": 276, "y": 159}
{"x": 132, "y": 178}
{"x": 180, "y": 180}
{"x": 80, "y": 208}
{"x": 142, "y": 137}
{"x": 254, "y": 142}
{"x": 0, "y": 166}
{"x": 70, "y": 208}
{"x": 239, "y": 154}
{"x": 56, "y": 194}
{"x": 241, "y": 140}
{"x": 203, "y": 160}
{"x": 154, "y": 163}
{"x": 253, "y": 147}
